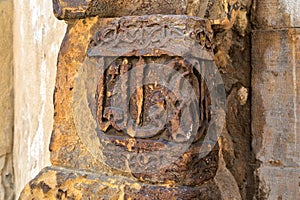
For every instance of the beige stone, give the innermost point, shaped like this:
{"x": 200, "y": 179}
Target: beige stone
{"x": 37, "y": 38}
{"x": 6, "y": 79}
{"x": 6, "y": 99}
{"x": 242, "y": 95}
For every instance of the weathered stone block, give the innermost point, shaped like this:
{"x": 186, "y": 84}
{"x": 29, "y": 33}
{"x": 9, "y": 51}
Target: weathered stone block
{"x": 222, "y": 13}
{"x": 91, "y": 135}
{"x": 91, "y": 131}
{"x": 270, "y": 14}
{"x": 275, "y": 96}
{"x": 68, "y": 9}
{"x": 53, "y": 183}
{"x": 278, "y": 182}
{"x": 275, "y": 111}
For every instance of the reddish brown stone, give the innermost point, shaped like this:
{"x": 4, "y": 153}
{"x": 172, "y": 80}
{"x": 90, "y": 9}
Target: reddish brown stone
{"x": 222, "y": 13}
{"x": 88, "y": 137}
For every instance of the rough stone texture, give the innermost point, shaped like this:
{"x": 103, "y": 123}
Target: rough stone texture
{"x": 221, "y": 12}
{"x": 232, "y": 55}
{"x": 6, "y": 100}
{"x": 37, "y": 38}
{"x": 276, "y": 72}
{"x": 75, "y": 143}
{"x": 53, "y": 183}
{"x": 66, "y": 9}
{"x": 224, "y": 179}
{"x": 275, "y": 14}
{"x": 275, "y": 132}
{"x": 275, "y": 98}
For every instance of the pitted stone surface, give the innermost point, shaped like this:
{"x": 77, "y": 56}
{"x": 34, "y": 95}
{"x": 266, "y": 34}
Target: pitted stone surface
{"x": 276, "y": 126}
{"x": 222, "y": 13}
{"x": 53, "y": 183}
{"x": 73, "y": 126}
{"x": 68, "y": 149}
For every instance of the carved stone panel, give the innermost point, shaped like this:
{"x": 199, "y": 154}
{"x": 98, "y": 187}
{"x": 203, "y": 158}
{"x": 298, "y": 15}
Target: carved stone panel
{"x": 139, "y": 99}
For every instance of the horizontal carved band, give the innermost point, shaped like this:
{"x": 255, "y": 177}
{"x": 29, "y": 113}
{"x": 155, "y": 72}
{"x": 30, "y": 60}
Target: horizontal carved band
{"x": 152, "y": 32}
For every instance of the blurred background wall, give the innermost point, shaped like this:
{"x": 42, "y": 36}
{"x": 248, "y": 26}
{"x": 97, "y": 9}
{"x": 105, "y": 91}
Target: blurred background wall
{"x": 6, "y": 99}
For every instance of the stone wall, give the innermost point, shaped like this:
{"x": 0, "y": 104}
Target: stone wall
{"x": 275, "y": 98}
{"x": 6, "y": 99}
{"x": 37, "y": 38}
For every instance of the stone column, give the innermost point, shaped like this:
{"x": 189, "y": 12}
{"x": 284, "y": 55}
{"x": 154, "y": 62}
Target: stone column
{"x": 276, "y": 98}
{"x": 37, "y": 36}
{"x": 140, "y": 103}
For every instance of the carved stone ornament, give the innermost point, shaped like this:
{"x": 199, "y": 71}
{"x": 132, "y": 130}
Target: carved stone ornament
{"x": 138, "y": 109}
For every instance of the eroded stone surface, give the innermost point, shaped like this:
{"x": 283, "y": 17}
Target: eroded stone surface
{"x": 278, "y": 182}
{"x": 270, "y": 14}
{"x": 222, "y": 13}
{"x": 275, "y": 96}
{"x": 74, "y": 127}
{"x": 68, "y": 149}
{"x": 53, "y": 183}
{"x": 34, "y": 77}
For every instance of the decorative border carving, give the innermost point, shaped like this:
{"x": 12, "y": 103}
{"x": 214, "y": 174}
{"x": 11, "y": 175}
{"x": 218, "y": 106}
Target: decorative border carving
{"x": 152, "y": 32}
